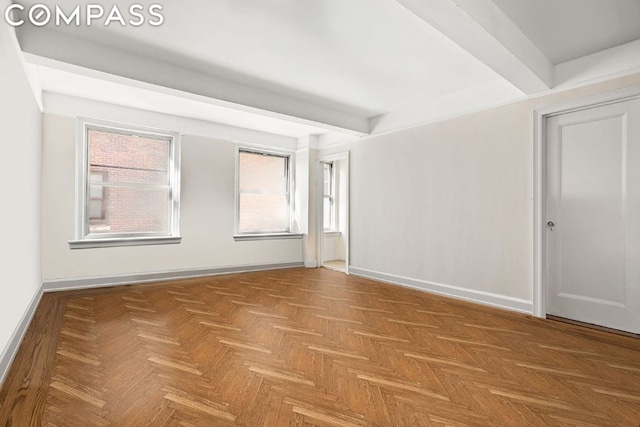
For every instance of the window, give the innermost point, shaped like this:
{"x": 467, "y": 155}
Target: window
{"x": 329, "y": 213}
{"x": 128, "y": 186}
{"x": 263, "y": 191}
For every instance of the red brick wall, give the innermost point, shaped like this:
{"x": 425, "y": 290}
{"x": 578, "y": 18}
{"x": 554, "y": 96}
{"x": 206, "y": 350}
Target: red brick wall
{"x": 263, "y": 197}
{"x": 127, "y": 159}
{"x": 123, "y": 158}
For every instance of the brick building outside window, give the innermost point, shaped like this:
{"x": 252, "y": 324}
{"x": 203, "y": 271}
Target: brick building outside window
{"x": 130, "y": 184}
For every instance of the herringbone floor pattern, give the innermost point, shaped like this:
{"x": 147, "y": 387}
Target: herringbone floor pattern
{"x": 313, "y": 348}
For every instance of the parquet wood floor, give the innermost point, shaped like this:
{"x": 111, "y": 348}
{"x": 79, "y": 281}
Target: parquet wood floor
{"x": 310, "y": 348}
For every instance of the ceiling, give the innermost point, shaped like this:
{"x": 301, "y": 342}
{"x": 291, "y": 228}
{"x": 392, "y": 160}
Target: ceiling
{"x": 568, "y": 29}
{"x": 343, "y": 69}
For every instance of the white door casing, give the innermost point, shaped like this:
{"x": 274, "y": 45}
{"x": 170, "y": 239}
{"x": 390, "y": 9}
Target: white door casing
{"x": 591, "y": 222}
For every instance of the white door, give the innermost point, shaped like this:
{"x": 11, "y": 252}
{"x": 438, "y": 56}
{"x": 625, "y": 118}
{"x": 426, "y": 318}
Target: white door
{"x": 593, "y": 216}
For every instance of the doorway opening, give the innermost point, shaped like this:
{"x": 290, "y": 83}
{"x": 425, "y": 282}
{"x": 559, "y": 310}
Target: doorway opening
{"x": 333, "y": 212}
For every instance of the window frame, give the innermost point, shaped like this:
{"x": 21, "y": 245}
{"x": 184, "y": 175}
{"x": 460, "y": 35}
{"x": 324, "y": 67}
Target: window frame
{"x": 290, "y": 165}
{"x": 83, "y": 238}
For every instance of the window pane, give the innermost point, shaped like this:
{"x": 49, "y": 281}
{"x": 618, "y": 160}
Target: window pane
{"x": 126, "y": 158}
{"x": 327, "y": 179}
{"x": 263, "y": 213}
{"x": 327, "y": 217}
{"x": 263, "y": 184}
{"x": 133, "y": 210}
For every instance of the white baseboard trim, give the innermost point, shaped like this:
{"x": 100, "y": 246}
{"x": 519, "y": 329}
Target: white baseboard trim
{"x": 10, "y": 351}
{"x": 55, "y": 285}
{"x": 311, "y": 264}
{"x": 481, "y": 297}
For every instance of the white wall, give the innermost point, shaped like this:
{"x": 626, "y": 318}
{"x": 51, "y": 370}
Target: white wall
{"x": 450, "y": 203}
{"x": 333, "y": 247}
{"x": 20, "y": 122}
{"x": 207, "y": 215}
{"x": 301, "y": 192}
{"x": 310, "y": 242}
{"x": 328, "y": 247}
{"x": 341, "y": 195}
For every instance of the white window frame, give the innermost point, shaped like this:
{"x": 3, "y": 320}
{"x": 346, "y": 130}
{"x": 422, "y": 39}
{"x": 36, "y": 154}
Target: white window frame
{"x": 331, "y": 196}
{"x": 83, "y": 238}
{"x": 289, "y": 234}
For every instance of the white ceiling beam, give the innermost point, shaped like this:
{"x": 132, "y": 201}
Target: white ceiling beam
{"x": 609, "y": 63}
{"x": 146, "y": 72}
{"x": 483, "y": 30}
{"x": 70, "y": 106}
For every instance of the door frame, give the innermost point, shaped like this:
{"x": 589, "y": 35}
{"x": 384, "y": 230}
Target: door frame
{"x": 540, "y": 116}
{"x": 320, "y": 204}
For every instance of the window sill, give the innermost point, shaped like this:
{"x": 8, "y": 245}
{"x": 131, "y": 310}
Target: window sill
{"x": 274, "y": 236}
{"x": 114, "y": 242}
{"x": 332, "y": 233}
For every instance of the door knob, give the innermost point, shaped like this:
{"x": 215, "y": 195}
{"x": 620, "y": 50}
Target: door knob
{"x": 551, "y": 224}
